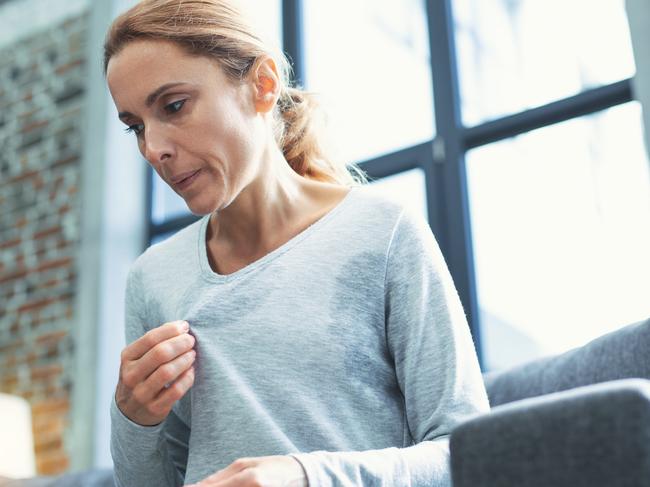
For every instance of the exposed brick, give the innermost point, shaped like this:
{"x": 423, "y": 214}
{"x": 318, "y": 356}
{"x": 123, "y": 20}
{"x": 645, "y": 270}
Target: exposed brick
{"x": 47, "y": 232}
{"x": 53, "y": 337}
{"x": 15, "y": 326}
{"x": 42, "y": 97}
{"x": 17, "y": 274}
{"x": 49, "y": 442}
{"x": 33, "y": 126}
{"x": 37, "y": 182}
{"x": 34, "y": 305}
{"x": 53, "y": 264}
{"x": 37, "y": 322}
{"x": 10, "y": 243}
{"x": 62, "y": 69}
{"x": 10, "y": 360}
{"x": 65, "y": 161}
{"x": 21, "y": 177}
{"x": 52, "y": 462}
{"x": 44, "y": 431}
{"x": 27, "y": 395}
{"x": 45, "y": 372}
{"x": 51, "y": 283}
{"x": 9, "y": 383}
{"x": 57, "y": 405}
{"x": 11, "y": 347}
{"x": 51, "y": 351}
{"x": 28, "y": 114}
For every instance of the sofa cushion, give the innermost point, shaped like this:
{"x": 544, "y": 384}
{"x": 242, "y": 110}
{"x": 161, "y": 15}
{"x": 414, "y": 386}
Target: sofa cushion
{"x": 592, "y": 436}
{"x": 621, "y": 354}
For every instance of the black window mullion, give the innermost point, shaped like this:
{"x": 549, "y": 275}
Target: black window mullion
{"x": 446, "y": 176}
{"x": 150, "y": 232}
{"x": 584, "y": 103}
{"x": 292, "y": 38}
{"x": 396, "y": 162}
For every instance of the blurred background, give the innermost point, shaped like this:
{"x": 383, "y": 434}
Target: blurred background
{"x": 514, "y": 126}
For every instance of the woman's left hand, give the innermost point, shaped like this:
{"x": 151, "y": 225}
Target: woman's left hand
{"x": 274, "y": 471}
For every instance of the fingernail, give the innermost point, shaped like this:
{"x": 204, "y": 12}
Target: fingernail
{"x": 186, "y": 325}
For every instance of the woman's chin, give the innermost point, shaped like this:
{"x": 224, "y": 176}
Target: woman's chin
{"x": 200, "y": 208}
{"x": 199, "y": 211}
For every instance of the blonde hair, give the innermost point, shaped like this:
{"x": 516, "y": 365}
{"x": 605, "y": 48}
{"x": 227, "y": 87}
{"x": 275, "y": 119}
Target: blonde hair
{"x": 217, "y": 29}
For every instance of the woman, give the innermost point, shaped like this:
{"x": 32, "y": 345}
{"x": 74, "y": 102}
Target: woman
{"x": 305, "y": 331}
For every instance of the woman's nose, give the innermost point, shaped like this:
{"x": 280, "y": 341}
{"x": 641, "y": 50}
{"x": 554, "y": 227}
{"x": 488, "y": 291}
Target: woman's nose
{"x": 157, "y": 146}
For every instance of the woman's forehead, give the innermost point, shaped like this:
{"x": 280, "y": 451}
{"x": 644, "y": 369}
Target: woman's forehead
{"x": 142, "y": 55}
{"x": 144, "y": 65}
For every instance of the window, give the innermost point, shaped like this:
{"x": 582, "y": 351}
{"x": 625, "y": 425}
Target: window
{"x": 369, "y": 61}
{"x": 561, "y": 254}
{"x": 407, "y": 187}
{"x": 521, "y": 54}
{"x": 510, "y": 125}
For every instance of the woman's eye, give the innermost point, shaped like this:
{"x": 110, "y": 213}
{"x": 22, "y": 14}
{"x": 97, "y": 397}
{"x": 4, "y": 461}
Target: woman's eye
{"x": 175, "y": 106}
{"x": 135, "y": 128}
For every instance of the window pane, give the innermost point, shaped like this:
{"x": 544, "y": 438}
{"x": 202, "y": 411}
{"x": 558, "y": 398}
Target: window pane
{"x": 407, "y": 187}
{"x": 159, "y": 238}
{"x": 518, "y": 54}
{"x": 266, "y": 17}
{"x": 369, "y": 61}
{"x": 561, "y": 224}
{"x": 165, "y": 203}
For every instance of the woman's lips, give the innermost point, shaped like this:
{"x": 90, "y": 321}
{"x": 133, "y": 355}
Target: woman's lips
{"x": 185, "y": 183}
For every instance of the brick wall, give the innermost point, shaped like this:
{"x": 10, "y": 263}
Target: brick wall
{"x": 41, "y": 111}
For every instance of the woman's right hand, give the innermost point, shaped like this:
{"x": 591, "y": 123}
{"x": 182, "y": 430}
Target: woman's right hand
{"x": 156, "y": 371}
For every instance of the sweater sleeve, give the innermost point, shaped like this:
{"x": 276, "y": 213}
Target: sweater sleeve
{"x": 436, "y": 367}
{"x": 145, "y": 455}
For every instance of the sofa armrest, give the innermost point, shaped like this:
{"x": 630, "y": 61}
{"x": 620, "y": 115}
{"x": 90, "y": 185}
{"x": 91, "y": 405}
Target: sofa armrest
{"x": 592, "y": 436}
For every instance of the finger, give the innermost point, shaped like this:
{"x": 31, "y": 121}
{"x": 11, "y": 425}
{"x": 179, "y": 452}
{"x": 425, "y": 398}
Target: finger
{"x": 167, "y": 373}
{"x": 240, "y": 479}
{"x": 162, "y": 353}
{"x": 153, "y": 337}
{"x": 234, "y": 468}
{"x": 237, "y": 479}
{"x": 168, "y": 396}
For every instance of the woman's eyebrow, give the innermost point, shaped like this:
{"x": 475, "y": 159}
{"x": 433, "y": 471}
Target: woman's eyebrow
{"x": 152, "y": 97}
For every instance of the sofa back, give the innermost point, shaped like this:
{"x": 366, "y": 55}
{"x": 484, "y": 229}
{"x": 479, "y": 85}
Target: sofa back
{"x": 620, "y": 354}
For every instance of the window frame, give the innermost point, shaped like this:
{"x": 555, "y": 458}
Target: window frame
{"x": 443, "y": 158}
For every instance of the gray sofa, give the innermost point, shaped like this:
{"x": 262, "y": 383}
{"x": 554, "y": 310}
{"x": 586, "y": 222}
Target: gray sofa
{"x": 577, "y": 419}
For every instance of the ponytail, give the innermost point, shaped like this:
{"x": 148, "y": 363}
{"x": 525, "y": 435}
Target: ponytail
{"x": 300, "y": 135}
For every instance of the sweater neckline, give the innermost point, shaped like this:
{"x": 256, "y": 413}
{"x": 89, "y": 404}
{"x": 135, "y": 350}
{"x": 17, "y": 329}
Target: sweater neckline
{"x": 212, "y": 276}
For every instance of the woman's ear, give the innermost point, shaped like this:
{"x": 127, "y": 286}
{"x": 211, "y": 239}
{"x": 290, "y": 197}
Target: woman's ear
{"x": 266, "y": 84}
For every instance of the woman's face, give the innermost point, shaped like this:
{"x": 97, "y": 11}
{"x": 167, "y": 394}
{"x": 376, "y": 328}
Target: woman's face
{"x": 188, "y": 116}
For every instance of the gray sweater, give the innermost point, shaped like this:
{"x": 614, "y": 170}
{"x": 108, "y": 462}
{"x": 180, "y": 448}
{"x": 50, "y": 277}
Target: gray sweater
{"x": 347, "y": 347}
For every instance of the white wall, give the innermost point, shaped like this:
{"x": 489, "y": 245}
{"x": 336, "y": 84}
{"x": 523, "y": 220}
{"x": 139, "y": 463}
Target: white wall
{"x": 112, "y": 236}
{"x": 638, "y": 12}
